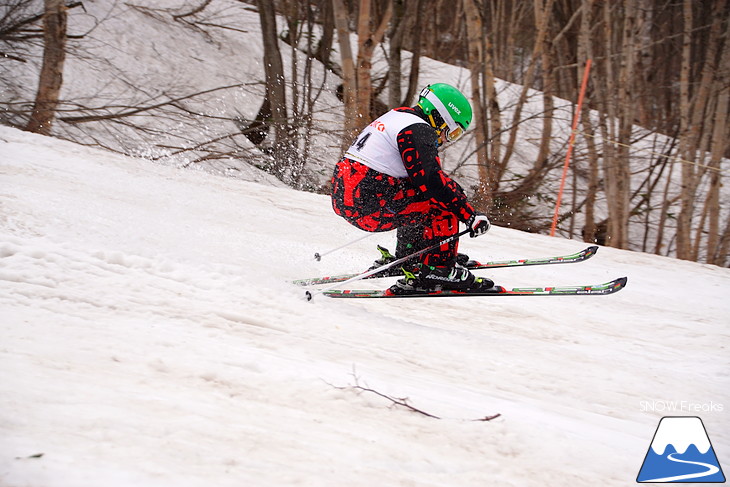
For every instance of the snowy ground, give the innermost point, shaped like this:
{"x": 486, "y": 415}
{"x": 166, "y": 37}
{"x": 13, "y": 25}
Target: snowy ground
{"x": 148, "y": 337}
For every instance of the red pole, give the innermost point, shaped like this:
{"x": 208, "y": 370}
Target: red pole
{"x": 576, "y": 118}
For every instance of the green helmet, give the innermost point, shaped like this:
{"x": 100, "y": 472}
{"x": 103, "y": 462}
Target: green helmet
{"x": 446, "y": 108}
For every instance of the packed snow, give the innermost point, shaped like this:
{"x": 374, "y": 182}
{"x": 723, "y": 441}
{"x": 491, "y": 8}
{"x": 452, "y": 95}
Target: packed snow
{"x": 150, "y": 337}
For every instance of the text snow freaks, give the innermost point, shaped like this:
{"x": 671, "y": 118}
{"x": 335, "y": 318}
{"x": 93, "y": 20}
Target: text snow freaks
{"x": 680, "y": 407}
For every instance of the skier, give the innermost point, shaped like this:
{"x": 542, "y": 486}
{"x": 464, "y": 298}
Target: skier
{"x": 391, "y": 178}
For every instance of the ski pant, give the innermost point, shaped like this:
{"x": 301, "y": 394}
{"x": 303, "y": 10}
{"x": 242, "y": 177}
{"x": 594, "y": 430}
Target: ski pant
{"x": 376, "y": 202}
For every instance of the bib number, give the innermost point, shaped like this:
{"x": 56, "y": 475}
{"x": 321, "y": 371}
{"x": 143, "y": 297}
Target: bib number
{"x": 361, "y": 143}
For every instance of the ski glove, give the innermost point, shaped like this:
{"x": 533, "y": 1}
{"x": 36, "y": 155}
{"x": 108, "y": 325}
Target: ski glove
{"x": 478, "y": 225}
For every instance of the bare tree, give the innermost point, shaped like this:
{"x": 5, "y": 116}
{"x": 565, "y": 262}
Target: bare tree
{"x": 51, "y": 77}
{"x": 477, "y": 68}
{"x": 273, "y": 67}
{"x": 349, "y": 80}
{"x": 590, "y": 229}
{"x": 693, "y": 106}
{"x": 396, "y": 32}
{"x": 618, "y": 173}
{"x": 367, "y": 40}
{"x": 324, "y": 46}
{"x": 357, "y": 76}
{"x": 720, "y": 145}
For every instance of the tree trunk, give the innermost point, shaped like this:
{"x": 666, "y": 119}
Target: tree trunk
{"x": 644, "y": 63}
{"x": 542, "y": 29}
{"x": 542, "y": 17}
{"x": 612, "y": 101}
{"x": 273, "y": 66}
{"x": 275, "y": 88}
{"x": 618, "y": 228}
{"x": 324, "y": 46}
{"x": 584, "y": 53}
{"x": 363, "y": 64}
{"x": 692, "y": 110}
{"x": 51, "y": 77}
{"x": 413, "y": 87}
{"x": 394, "y": 50}
{"x": 367, "y": 41}
{"x": 349, "y": 81}
{"x": 475, "y": 43}
{"x": 720, "y": 145}
{"x": 493, "y": 129}
{"x": 684, "y": 220}
{"x": 724, "y": 247}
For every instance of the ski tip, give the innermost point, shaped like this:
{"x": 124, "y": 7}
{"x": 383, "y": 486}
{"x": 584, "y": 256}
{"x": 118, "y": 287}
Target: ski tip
{"x": 618, "y": 284}
{"x": 589, "y": 252}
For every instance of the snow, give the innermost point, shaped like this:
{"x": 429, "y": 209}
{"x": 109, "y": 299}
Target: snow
{"x": 150, "y": 338}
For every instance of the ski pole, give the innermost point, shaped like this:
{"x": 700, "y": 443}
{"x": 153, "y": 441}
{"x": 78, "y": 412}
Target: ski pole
{"x": 318, "y": 256}
{"x": 309, "y": 295}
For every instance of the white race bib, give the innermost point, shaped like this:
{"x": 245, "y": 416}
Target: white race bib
{"x": 377, "y": 145}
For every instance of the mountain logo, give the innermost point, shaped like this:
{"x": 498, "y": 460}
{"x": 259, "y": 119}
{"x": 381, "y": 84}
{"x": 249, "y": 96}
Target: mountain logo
{"x": 681, "y": 452}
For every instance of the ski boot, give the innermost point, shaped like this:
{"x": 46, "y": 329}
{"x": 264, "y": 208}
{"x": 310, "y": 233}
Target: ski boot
{"x": 386, "y": 258}
{"x": 430, "y": 279}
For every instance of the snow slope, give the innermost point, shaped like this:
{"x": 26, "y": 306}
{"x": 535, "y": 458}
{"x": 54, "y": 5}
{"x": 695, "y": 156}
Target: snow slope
{"x": 148, "y": 337}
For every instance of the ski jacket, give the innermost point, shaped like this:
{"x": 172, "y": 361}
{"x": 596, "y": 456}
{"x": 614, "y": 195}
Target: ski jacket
{"x": 402, "y": 144}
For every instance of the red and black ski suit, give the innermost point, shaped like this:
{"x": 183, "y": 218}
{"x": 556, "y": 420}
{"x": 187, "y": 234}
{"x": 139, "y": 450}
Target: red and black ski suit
{"x": 410, "y": 192}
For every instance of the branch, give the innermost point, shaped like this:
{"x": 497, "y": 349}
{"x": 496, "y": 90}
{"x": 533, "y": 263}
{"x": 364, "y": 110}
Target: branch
{"x": 196, "y": 10}
{"x": 379, "y": 33}
{"x": 17, "y": 26}
{"x": 136, "y": 111}
{"x": 401, "y": 401}
{"x": 5, "y": 55}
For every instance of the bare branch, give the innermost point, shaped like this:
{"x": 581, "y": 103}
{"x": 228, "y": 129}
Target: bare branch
{"x": 138, "y": 110}
{"x": 7, "y": 32}
{"x": 196, "y": 10}
{"x": 401, "y": 401}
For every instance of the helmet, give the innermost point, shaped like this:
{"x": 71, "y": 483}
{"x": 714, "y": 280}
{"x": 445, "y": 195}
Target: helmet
{"x": 447, "y": 109}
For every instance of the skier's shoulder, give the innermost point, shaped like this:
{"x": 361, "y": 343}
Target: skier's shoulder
{"x": 416, "y": 129}
{"x": 400, "y": 118}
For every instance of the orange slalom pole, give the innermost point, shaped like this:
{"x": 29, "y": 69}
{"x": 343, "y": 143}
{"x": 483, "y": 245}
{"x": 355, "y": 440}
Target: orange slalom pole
{"x": 571, "y": 141}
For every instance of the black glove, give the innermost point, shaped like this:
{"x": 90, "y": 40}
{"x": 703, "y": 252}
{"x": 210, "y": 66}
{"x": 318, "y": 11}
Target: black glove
{"x": 478, "y": 225}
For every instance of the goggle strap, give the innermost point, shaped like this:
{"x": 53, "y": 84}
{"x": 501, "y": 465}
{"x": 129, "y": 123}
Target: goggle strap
{"x": 434, "y": 123}
{"x": 445, "y": 114}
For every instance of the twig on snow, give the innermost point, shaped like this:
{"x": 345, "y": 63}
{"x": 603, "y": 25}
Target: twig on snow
{"x": 400, "y": 401}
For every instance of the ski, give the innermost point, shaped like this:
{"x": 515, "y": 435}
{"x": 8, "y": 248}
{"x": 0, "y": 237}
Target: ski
{"x": 584, "y": 254}
{"x": 590, "y": 290}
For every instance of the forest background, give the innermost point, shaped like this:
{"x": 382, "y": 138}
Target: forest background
{"x": 650, "y": 151}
